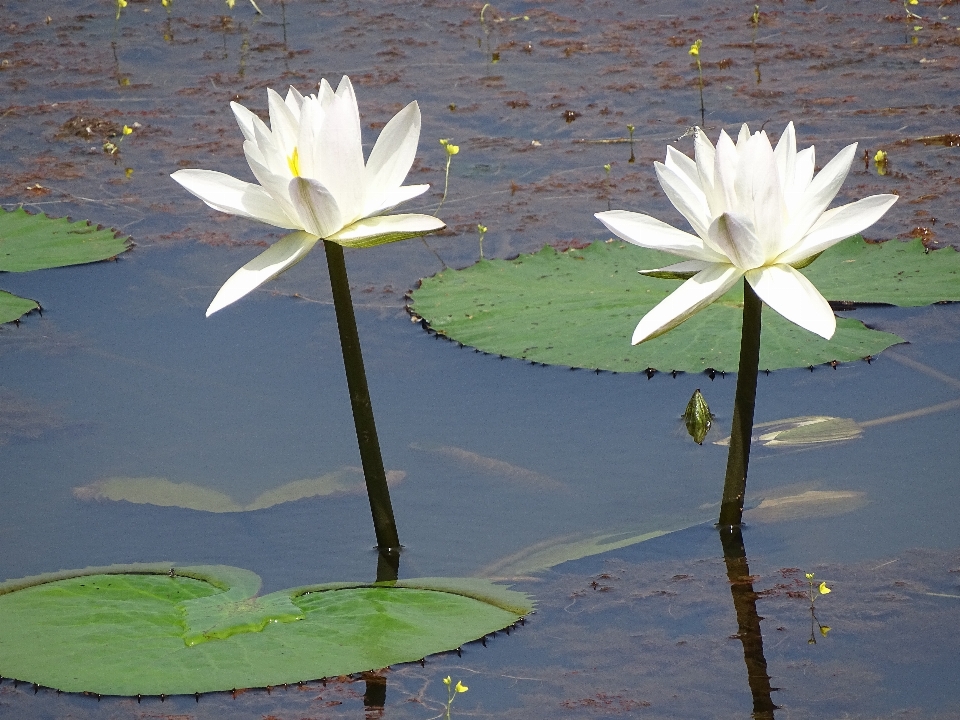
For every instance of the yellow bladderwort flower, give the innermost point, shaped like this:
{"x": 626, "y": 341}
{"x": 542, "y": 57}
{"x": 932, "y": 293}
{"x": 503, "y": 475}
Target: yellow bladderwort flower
{"x": 460, "y": 688}
{"x": 127, "y": 130}
{"x": 824, "y": 589}
{"x": 121, "y": 4}
{"x": 695, "y": 48}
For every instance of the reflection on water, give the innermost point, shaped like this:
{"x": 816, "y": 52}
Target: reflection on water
{"x": 123, "y": 377}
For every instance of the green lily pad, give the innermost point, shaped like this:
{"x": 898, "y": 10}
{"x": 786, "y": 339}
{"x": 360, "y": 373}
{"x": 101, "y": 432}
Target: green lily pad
{"x": 579, "y": 308}
{"x": 13, "y": 307}
{"x": 156, "y": 629}
{"x": 36, "y": 242}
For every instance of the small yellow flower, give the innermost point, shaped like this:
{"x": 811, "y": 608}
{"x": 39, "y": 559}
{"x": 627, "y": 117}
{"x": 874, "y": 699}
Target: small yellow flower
{"x": 231, "y": 3}
{"x": 695, "y": 48}
{"x": 461, "y": 688}
{"x": 446, "y": 680}
{"x": 127, "y": 129}
{"x": 824, "y": 589}
{"x": 452, "y": 149}
{"x": 824, "y": 629}
{"x": 880, "y": 157}
{"x": 913, "y": 2}
{"x": 809, "y": 576}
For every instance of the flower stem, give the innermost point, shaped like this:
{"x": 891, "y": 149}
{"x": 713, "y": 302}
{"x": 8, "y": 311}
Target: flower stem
{"x": 381, "y": 508}
{"x": 735, "y": 484}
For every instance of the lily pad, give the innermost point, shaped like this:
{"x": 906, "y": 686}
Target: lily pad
{"x": 161, "y": 629}
{"x": 36, "y": 242}
{"x": 579, "y": 308}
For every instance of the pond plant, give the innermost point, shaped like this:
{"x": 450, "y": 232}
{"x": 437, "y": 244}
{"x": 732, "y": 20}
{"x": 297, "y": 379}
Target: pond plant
{"x": 313, "y": 180}
{"x": 759, "y": 213}
{"x": 192, "y": 629}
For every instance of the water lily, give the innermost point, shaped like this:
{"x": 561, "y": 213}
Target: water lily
{"x": 313, "y": 180}
{"x": 758, "y": 213}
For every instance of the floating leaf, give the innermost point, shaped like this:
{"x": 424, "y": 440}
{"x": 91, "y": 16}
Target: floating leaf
{"x": 153, "y": 629}
{"x": 36, "y": 242}
{"x": 579, "y": 308}
{"x": 166, "y": 493}
{"x": 13, "y": 307}
{"x": 893, "y": 273}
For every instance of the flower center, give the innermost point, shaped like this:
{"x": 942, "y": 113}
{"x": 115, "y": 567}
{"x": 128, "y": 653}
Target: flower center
{"x": 294, "y": 163}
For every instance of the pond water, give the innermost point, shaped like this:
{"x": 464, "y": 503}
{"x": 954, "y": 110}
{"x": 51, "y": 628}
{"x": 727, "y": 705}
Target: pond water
{"x": 122, "y": 376}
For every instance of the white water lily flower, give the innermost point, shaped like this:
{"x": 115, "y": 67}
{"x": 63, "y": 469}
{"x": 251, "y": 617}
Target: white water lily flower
{"x": 758, "y": 213}
{"x": 313, "y": 180}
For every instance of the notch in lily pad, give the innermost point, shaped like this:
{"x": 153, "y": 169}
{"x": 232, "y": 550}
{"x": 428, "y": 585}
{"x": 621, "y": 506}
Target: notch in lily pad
{"x": 38, "y": 242}
{"x": 161, "y": 629}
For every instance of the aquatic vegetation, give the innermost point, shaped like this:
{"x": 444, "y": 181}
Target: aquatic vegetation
{"x": 452, "y": 692}
{"x": 161, "y": 629}
{"x": 37, "y": 242}
{"x": 313, "y": 179}
{"x": 451, "y": 150}
{"x": 697, "y": 417}
{"x": 759, "y": 214}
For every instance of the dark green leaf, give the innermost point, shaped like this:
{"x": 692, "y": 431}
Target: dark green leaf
{"x": 151, "y": 630}
{"x": 13, "y": 307}
{"x": 35, "y": 242}
{"x": 579, "y": 308}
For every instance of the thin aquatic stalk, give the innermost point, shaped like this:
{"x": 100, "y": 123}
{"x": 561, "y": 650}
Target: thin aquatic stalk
{"x": 735, "y": 483}
{"x": 378, "y": 493}
{"x": 748, "y": 621}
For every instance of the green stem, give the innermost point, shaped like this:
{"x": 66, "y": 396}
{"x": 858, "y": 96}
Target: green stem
{"x": 377, "y": 492}
{"x": 735, "y": 483}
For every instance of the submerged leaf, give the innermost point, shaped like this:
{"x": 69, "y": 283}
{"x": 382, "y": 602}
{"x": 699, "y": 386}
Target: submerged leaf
{"x": 580, "y": 307}
{"x": 805, "y": 430}
{"x": 166, "y": 493}
{"x": 157, "y": 629}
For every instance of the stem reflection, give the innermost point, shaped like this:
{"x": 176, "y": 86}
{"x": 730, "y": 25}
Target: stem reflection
{"x": 748, "y": 621}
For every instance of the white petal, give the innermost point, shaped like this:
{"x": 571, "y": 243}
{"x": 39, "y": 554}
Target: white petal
{"x": 705, "y": 158}
{"x": 276, "y": 185}
{"x": 793, "y": 296}
{"x": 339, "y": 154}
{"x": 678, "y": 271}
{"x": 386, "y": 228}
{"x": 398, "y": 196}
{"x": 294, "y": 101}
{"x": 227, "y": 194}
{"x": 735, "y": 236}
{"x": 247, "y": 121}
{"x": 839, "y": 224}
{"x": 725, "y": 165}
{"x": 818, "y": 195}
{"x": 649, "y": 232}
{"x": 743, "y": 137}
{"x": 687, "y": 300}
{"x": 392, "y": 156}
{"x": 316, "y": 207}
{"x": 284, "y": 127}
{"x": 786, "y": 156}
{"x": 282, "y": 255}
{"x": 804, "y": 167}
{"x": 759, "y": 188}
{"x": 679, "y": 162}
{"x": 686, "y": 197}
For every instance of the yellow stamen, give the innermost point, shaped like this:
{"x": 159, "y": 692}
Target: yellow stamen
{"x": 294, "y": 163}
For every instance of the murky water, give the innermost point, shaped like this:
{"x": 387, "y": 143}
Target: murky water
{"x": 123, "y": 376}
